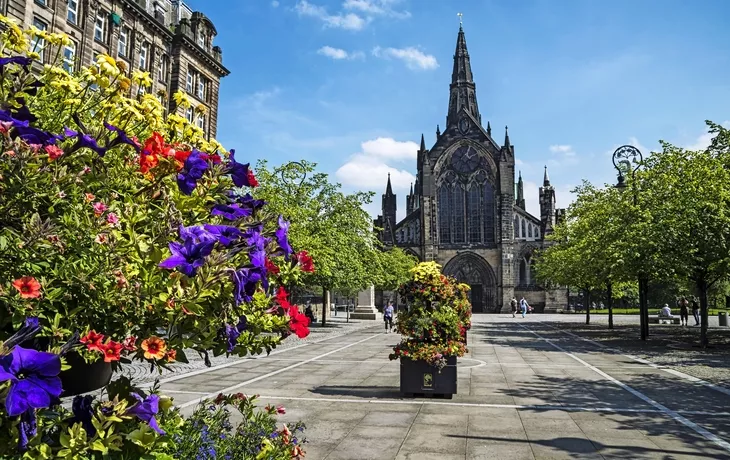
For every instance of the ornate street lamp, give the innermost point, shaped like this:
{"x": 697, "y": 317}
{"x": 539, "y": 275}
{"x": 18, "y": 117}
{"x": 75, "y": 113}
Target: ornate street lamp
{"x": 627, "y": 159}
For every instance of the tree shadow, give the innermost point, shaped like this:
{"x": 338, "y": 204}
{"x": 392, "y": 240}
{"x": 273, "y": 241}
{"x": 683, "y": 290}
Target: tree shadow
{"x": 370, "y": 392}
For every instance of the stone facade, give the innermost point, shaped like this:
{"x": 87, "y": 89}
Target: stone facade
{"x": 466, "y": 211}
{"x": 163, "y": 37}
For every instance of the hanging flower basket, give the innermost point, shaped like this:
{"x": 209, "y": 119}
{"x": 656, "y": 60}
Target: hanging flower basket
{"x": 84, "y": 377}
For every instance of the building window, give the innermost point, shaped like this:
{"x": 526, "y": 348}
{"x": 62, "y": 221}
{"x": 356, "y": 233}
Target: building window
{"x": 72, "y": 11}
{"x": 123, "y": 42}
{"x": 201, "y": 88}
{"x": 523, "y": 233}
{"x": 201, "y": 39}
{"x": 164, "y": 65}
{"x": 189, "y": 114}
{"x": 444, "y": 214}
{"x": 100, "y": 28}
{"x": 39, "y": 43}
{"x": 516, "y": 227}
{"x": 473, "y": 199}
{"x": 458, "y": 213}
{"x": 69, "y": 56}
{"x": 489, "y": 209}
{"x": 529, "y": 231}
{"x": 143, "y": 51}
{"x": 200, "y": 122}
{"x": 189, "y": 83}
{"x": 42, "y": 2}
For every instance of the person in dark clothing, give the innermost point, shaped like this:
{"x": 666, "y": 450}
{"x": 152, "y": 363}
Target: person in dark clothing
{"x": 683, "y": 311}
{"x": 696, "y": 311}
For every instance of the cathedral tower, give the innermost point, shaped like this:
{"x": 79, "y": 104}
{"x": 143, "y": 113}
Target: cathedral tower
{"x": 389, "y": 206}
{"x": 547, "y": 205}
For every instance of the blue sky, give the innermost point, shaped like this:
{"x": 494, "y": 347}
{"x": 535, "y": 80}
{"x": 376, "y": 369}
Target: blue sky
{"x": 352, "y": 84}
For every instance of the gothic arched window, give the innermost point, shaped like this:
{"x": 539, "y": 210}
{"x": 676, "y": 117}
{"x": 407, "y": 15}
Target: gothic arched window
{"x": 516, "y": 229}
{"x": 523, "y": 273}
{"x": 457, "y": 203}
{"x": 537, "y": 232}
{"x": 529, "y": 231}
{"x": 523, "y": 233}
{"x": 444, "y": 208}
{"x": 489, "y": 210}
{"x": 473, "y": 203}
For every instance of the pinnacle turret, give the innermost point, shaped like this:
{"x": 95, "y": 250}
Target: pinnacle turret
{"x": 506, "y": 137}
{"x": 388, "y": 188}
{"x": 546, "y": 178}
{"x": 423, "y": 143}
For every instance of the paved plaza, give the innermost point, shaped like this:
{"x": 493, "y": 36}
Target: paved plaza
{"x": 527, "y": 390}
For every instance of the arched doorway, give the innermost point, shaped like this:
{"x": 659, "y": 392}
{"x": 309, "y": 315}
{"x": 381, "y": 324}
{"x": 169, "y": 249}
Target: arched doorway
{"x": 473, "y": 270}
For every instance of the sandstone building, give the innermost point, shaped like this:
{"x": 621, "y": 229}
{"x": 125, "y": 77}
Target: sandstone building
{"x": 467, "y": 213}
{"x": 163, "y": 37}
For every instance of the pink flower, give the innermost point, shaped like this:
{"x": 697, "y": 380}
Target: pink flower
{"x": 89, "y": 196}
{"x": 54, "y": 152}
{"x": 61, "y": 194}
{"x": 99, "y": 208}
{"x": 86, "y": 170}
{"x": 100, "y": 238}
{"x": 10, "y": 153}
{"x": 280, "y": 410}
{"x": 5, "y": 126}
{"x": 112, "y": 219}
{"x": 35, "y": 147}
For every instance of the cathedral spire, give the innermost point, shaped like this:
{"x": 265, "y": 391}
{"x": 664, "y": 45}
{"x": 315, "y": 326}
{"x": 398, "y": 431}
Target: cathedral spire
{"x": 423, "y": 144}
{"x": 388, "y": 188}
{"x": 520, "y": 199}
{"x": 463, "y": 89}
{"x": 546, "y": 178}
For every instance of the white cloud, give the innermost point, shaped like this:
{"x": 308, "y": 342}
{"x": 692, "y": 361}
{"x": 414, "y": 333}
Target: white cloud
{"x": 365, "y": 172}
{"x": 339, "y": 54}
{"x": 376, "y": 7}
{"x": 275, "y": 4}
{"x": 349, "y": 21}
{"x": 412, "y": 57}
{"x": 561, "y": 148}
{"x": 704, "y": 140}
{"x": 389, "y": 148}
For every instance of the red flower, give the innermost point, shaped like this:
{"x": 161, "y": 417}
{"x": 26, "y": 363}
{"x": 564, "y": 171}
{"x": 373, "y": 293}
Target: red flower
{"x": 280, "y": 410}
{"x": 154, "y": 145}
{"x": 171, "y": 355}
{"x": 298, "y": 323}
{"x": 28, "y": 287}
{"x": 129, "y": 343}
{"x": 180, "y": 157}
{"x": 252, "y": 182}
{"x": 54, "y": 152}
{"x": 111, "y": 351}
{"x": 99, "y": 208}
{"x": 147, "y": 162}
{"x": 93, "y": 341}
{"x": 219, "y": 399}
{"x": 215, "y": 158}
{"x": 282, "y": 297}
{"x": 271, "y": 267}
{"x": 305, "y": 262}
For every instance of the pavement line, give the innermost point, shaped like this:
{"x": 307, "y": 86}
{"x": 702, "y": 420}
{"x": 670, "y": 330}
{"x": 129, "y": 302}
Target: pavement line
{"x": 186, "y": 392}
{"x": 668, "y": 370}
{"x": 491, "y": 406}
{"x": 271, "y": 374}
{"x": 671, "y": 413}
{"x": 240, "y": 360}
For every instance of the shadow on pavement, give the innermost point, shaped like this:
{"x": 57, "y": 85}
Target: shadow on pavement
{"x": 358, "y": 391}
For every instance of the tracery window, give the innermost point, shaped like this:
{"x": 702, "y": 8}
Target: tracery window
{"x": 523, "y": 233}
{"x": 444, "y": 209}
{"x": 516, "y": 229}
{"x": 457, "y": 202}
{"x": 529, "y": 231}
{"x": 474, "y": 198}
{"x": 488, "y": 209}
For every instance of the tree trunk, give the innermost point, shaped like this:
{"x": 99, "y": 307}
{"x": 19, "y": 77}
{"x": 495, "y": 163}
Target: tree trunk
{"x": 702, "y": 289}
{"x": 588, "y": 306}
{"x": 325, "y": 304}
{"x": 609, "y": 301}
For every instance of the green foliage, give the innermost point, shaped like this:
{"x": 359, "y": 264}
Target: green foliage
{"x": 392, "y": 268}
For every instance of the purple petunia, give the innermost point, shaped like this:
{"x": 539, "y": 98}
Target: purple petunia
{"x": 231, "y": 333}
{"x": 239, "y": 172}
{"x": 20, "y": 60}
{"x": 257, "y": 246}
{"x": 121, "y": 138}
{"x": 193, "y": 170}
{"x": 34, "y": 380}
{"x": 230, "y": 211}
{"x": 282, "y": 237}
{"x": 246, "y": 201}
{"x": 83, "y": 141}
{"x": 245, "y": 283}
{"x": 83, "y": 413}
{"x": 225, "y": 234}
{"x": 189, "y": 255}
{"x": 146, "y": 409}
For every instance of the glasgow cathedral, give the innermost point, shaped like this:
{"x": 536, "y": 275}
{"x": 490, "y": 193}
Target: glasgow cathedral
{"x": 467, "y": 213}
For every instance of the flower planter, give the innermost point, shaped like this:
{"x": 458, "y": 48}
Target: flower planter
{"x": 420, "y": 378}
{"x": 84, "y": 377}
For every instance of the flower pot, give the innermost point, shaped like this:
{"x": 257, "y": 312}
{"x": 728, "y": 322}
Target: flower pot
{"x": 84, "y": 377}
{"x": 420, "y": 378}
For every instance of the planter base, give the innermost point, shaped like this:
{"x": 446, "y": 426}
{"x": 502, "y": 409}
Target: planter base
{"x": 417, "y": 378}
{"x": 83, "y": 377}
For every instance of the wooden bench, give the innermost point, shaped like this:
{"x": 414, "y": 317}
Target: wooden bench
{"x": 664, "y": 320}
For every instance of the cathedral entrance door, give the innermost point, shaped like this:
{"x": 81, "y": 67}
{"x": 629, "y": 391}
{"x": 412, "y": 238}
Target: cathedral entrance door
{"x": 475, "y": 295}
{"x": 471, "y": 269}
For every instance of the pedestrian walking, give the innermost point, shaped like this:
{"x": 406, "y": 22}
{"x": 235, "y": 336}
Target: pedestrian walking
{"x": 388, "y": 313}
{"x": 683, "y": 311}
{"x": 696, "y": 311}
{"x": 524, "y": 306}
{"x": 513, "y": 306}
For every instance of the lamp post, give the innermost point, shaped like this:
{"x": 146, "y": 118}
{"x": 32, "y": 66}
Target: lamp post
{"x": 627, "y": 159}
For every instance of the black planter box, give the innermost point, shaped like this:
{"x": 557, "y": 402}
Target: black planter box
{"x": 420, "y": 378}
{"x": 84, "y": 377}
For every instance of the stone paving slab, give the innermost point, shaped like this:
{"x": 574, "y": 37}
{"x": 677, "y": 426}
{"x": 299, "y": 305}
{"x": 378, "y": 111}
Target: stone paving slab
{"x": 525, "y": 391}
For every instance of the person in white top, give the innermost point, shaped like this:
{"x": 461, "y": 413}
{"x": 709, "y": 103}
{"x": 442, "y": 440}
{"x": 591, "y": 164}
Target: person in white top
{"x": 523, "y": 306}
{"x": 666, "y": 312}
{"x": 388, "y": 313}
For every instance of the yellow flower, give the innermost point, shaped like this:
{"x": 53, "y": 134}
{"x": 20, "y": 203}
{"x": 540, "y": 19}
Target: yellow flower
{"x": 143, "y": 78}
{"x": 181, "y": 99}
{"x": 200, "y": 108}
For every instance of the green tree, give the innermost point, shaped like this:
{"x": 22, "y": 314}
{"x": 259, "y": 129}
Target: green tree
{"x": 393, "y": 268}
{"x": 331, "y": 225}
{"x": 690, "y": 207}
